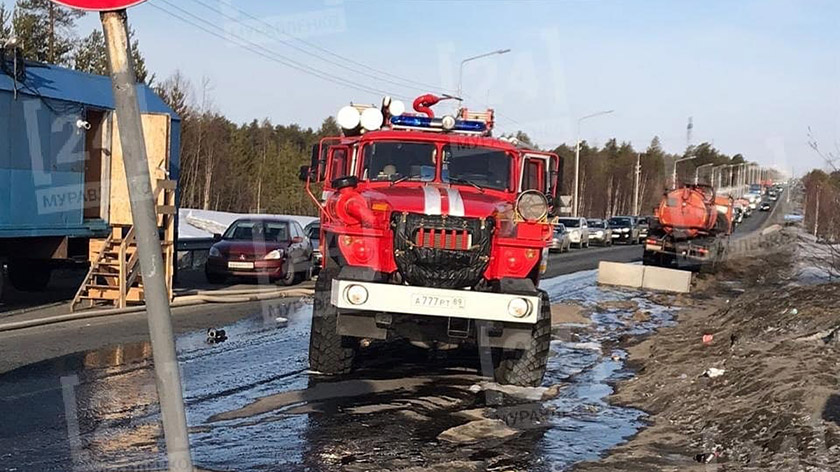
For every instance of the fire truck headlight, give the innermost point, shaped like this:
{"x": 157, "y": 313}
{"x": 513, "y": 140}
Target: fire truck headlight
{"x": 448, "y": 122}
{"x": 396, "y": 108}
{"x": 348, "y": 117}
{"x": 519, "y": 308}
{"x": 372, "y": 119}
{"x": 532, "y": 205}
{"x": 356, "y": 294}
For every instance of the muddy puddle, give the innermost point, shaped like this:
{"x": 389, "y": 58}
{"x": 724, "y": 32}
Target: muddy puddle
{"x": 253, "y": 406}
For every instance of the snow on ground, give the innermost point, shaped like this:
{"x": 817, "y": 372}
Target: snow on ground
{"x": 199, "y": 224}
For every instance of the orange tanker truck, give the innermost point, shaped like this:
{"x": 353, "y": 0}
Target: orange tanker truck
{"x": 691, "y": 228}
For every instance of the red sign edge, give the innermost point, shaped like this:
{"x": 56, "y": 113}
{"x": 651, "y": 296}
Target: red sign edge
{"x": 70, "y": 4}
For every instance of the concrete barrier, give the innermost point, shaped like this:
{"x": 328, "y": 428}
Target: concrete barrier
{"x": 615, "y": 273}
{"x": 639, "y": 276}
{"x": 666, "y": 280}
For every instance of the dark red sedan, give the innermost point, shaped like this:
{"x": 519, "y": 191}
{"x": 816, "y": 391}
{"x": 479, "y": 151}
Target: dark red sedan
{"x": 272, "y": 248}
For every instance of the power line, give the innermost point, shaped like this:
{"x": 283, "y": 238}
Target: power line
{"x": 365, "y": 70}
{"x": 266, "y": 53}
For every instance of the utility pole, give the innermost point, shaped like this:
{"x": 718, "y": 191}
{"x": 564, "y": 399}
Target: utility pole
{"x": 636, "y": 184}
{"x": 167, "y": 374}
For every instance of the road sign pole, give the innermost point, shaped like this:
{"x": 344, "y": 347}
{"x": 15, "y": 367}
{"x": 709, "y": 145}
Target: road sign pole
{"x": 156, "y": 295}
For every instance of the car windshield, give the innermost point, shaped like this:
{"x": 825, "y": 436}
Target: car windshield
{"x": 593, "y": 222}
{"x": 570, "y": 222}
{"x": 620, "y": 222}
{"x": 391, "y": 161}
{"x": 484, "y": 167}
{"x": 255, "y": 230}
{"x": 560, "y": 228}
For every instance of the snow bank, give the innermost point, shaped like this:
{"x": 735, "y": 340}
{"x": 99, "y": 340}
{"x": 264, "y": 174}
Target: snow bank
{"x": 199, "y": 224}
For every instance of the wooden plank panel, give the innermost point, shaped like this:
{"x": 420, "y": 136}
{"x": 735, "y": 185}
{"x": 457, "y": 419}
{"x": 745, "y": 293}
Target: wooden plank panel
{"x": 156, "y": 129}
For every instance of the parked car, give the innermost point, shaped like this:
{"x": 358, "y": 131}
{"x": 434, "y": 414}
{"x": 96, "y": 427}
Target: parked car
{"x": 260, "y": 247}
{"x": 643, "y": 222}
{"x": 624, "y": 230}
{"x": 313, "y": 232}
{"x": 599, "y": 232}
{"x": 765, "y": 206}
{"x": 578, "y": 231}
{"x": 560, "y": 242}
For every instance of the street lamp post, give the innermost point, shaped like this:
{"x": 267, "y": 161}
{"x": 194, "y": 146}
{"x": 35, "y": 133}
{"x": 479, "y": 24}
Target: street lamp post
{"x": 576, "y": 197}
{"x": 674, "y": 174}
{"x": 697, "y": 172}
{"x": 461, "y": 71}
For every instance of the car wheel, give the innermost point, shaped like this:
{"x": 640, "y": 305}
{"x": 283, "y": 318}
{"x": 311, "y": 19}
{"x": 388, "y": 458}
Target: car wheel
{"x": 291, "y": 276}
{"x": 327, "y": 352}
{"x": 526, "y": 368}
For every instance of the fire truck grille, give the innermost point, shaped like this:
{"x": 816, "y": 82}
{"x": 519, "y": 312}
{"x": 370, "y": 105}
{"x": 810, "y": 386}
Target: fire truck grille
{"x": 441, "y": 251}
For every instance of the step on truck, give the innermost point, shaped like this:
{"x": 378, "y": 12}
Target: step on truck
{"x": 434, "y": 232}
{"x": 690, "y": 229}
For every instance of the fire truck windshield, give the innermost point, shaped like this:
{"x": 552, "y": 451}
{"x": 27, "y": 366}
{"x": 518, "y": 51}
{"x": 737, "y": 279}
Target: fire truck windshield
{"x": 478, "y": 166}
{"x": 392, "y": 161}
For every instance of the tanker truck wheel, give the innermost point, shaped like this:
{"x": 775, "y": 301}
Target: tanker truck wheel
{"x": 526, "y": 368}
{"x": 327, "y": 352}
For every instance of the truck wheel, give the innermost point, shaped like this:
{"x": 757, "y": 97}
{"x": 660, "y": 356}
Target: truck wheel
{"x": 327, "y": 354}
{"x": 29, "y": 276}
{"x": 526, "y": 368}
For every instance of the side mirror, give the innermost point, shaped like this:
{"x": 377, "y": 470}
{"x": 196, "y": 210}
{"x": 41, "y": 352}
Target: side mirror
{"x": 217, "y": 237}
{"x": 304, "y": 173}
{"x": 297, "y": 240}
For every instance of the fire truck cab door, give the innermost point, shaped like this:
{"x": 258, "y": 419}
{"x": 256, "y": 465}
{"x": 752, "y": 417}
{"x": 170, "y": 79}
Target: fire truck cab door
{"x": 338, "y": 162}
{"x": 535, "y": 173}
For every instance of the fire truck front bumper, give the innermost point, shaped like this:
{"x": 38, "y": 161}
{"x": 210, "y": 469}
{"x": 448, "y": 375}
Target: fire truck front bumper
{"x": 446, "y": 303}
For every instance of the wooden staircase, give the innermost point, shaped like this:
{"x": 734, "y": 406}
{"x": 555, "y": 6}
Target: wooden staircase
{"x": 114, "y": 279}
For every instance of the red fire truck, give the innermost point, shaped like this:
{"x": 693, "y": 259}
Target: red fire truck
{"x": 434, "y": 232}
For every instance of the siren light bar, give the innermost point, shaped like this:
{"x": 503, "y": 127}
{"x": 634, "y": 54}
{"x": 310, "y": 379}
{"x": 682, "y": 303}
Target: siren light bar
{"x": 355, "y": 119}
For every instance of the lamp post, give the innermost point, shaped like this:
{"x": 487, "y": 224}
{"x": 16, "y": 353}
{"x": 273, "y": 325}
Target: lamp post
{"x": 576, "y": 197}
{"x": 461, "y": 71}
{"x": 697, "y": 172}
{"x": 674, "y": 174}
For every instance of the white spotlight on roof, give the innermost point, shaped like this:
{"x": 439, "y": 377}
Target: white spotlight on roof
{"x": 348, "y": 117}
{"x": 448, "y": 122}
{"x": 372, "y": 119}
{"x": 396, "y": 108}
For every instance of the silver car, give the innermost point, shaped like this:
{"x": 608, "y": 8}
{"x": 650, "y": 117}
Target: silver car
{"x": 578, "y": 231}
{"x": 560, "y": 241}
{"x": 599, "y": 232}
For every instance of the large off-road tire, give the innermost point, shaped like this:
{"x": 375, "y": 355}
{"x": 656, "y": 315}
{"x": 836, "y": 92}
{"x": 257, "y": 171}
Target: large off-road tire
{"x": 328, "y": 353}
{"x": 30, "y": 276}
{"x": 526, "y": 368}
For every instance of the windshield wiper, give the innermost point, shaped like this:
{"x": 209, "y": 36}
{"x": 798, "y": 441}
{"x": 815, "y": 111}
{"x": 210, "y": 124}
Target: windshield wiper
{"x": 401, "y": 179}
{"x": 459, "y": 180}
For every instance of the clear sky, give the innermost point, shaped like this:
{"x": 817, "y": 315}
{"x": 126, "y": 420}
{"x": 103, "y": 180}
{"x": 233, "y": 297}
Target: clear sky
{"x": 754, "y": 75}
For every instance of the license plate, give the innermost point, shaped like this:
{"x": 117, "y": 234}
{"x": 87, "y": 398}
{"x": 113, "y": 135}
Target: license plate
{"x": 240, "y": 265}
{"x": 653, "y": 247}
{"x": 437, "y": 301}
